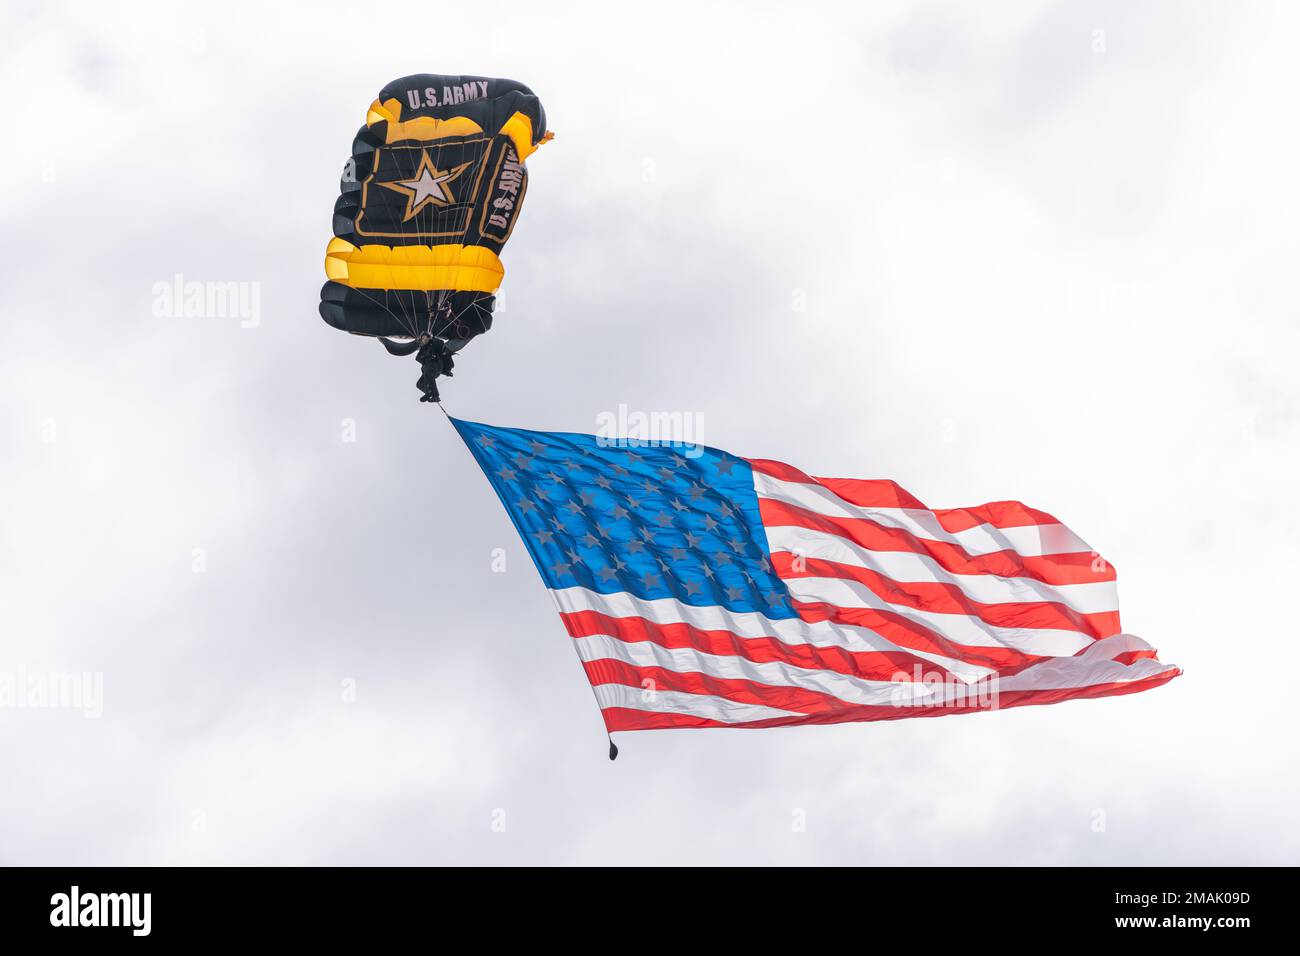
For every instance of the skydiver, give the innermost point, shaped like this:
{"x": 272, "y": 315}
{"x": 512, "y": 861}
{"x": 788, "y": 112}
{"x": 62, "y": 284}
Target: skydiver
{"x": 435, "y": 360}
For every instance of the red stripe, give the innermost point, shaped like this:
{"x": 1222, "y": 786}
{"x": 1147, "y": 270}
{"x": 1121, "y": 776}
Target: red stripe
{"x": 618, "y": 718}
{"x": 867, "y": 665}
{"x": 779, "y": 469}
{"x": 623, "y": 718}
{"x": 1128, "y": 657}
{"x": 1055, "y": 569}
{"x": 882, "y": 493}
{"x": 999, "y": 514}
{"x": 906, "y": 632}
{"x": 609, "y": 671}
{"x": 944, "y": 598}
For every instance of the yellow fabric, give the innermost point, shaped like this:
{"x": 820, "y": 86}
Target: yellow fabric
{"x": 389, "y": 110}
{"x": 428, "y": 128}
{"x": 519, "y": 127}
{"x": 422, "y": 268}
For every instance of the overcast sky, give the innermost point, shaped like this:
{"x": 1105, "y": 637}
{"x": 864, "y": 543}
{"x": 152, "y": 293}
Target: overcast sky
{"x": 1044, "y": 252}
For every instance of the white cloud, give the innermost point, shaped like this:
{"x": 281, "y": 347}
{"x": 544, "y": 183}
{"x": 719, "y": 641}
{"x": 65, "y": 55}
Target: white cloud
{"x": 1032, "y": 270}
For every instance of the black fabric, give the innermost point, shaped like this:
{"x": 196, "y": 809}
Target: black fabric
{"x": 380, "y": 312}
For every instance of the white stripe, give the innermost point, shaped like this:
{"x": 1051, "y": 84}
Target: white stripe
{"x": 675, "y": 702}
{"x": 750, "y": 624}
{"x": 1031, "y": 541}
{"x": 909, "y": 567}
{"x": 686, "y": 660}
{"x": 960, "y": 628}
{"x": 1096, "y": 665}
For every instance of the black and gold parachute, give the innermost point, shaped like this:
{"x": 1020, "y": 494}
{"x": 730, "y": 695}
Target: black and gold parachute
{"x": 427, "y": 201}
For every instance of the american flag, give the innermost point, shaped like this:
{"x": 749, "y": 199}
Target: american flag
{"x": 702, "y": 589}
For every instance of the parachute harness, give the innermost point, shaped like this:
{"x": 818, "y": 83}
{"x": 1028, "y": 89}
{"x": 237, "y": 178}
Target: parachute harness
{"x": 446, "y": 331}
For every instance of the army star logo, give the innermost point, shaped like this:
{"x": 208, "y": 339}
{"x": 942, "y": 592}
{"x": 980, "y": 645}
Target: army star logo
{"x": 430, "y": 186}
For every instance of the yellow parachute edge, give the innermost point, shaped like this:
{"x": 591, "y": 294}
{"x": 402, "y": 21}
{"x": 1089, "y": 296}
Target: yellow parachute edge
{"x": 456, "y": 267}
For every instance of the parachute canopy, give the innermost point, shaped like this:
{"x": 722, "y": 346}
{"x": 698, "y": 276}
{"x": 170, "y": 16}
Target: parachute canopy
{"x": 429, "y": 197}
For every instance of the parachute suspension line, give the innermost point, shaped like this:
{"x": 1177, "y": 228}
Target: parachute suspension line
{"x": 418, "y": 300}
{"x": 474, "y": 174}
{"x": 434, "y": 354}
{"x": 436, "y": 310}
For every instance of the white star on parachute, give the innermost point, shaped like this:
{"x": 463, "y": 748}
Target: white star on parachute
{"x": 428, "y": 187}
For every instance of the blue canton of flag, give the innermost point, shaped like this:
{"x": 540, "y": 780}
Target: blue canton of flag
{"x": 654, "y": 521}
